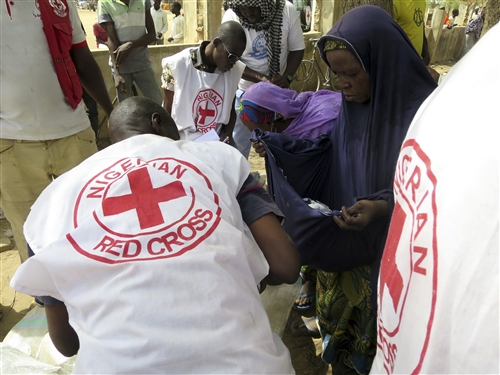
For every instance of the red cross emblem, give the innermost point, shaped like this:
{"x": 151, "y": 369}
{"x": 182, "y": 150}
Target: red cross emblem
{"x": 207, "y": 107}
{"x": 204, "y": 113}
{"x": 408, "y": 272}
{"x": 144, "y": 199}
{"x": 142, "y": 210}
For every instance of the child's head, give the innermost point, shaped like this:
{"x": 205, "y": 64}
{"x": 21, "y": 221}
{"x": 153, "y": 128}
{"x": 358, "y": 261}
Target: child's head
{"x": 228, "y": 45}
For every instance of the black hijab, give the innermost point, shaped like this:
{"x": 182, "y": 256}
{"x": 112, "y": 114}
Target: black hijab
{"x": 368, "y": 136}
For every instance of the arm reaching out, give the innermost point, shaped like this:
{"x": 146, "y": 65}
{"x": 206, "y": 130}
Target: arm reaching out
{"x": 278, "y": 248}
{"x": 260, "y": 213}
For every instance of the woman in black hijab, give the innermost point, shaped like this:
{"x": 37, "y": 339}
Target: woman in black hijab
{"x": 384, "y": 81}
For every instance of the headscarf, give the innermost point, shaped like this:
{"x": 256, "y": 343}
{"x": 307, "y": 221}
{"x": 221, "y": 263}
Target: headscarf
{"x": 253, "y": 112}
{"x": 368, "y": 136}
{"x": 272, "y": 19}
{"x": 313, "y": 113}
{"x": 476, "y": 25}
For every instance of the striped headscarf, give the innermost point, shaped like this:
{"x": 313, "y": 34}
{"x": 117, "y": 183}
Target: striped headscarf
{"x": 253, "y": 112}
{"x": 271, "y": 12}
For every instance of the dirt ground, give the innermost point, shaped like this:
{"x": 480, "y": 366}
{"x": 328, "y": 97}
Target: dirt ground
{"x": 304, "y": 350}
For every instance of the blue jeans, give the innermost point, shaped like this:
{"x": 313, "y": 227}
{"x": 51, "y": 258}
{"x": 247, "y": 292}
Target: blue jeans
{"x": 241, "y": 135}
{"x": 146, "y": 82}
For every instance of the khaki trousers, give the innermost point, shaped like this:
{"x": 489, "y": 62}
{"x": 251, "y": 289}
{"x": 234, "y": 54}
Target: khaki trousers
{"x": 28, "y": 167}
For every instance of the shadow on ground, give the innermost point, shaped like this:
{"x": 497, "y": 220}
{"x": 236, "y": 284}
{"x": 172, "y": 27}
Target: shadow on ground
{"x": 304, "y": 351}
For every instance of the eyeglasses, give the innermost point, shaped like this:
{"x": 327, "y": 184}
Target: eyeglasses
{"x": 231, "y": 56}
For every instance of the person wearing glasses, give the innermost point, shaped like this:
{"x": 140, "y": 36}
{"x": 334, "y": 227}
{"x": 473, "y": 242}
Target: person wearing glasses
{"x": 275, "y": 47}
{"x": 199, "y": 84}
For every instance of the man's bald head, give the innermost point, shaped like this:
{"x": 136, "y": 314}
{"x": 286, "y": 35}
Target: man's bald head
{"x": 140, "y": 115}
{"x": 231, "y": 33}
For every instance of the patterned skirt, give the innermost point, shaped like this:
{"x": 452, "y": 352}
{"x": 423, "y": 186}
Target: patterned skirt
{"x": 347, "y": 323}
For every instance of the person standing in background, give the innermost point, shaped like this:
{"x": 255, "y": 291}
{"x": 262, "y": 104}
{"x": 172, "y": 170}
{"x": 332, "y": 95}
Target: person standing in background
{"x": 275, "y": 47}
{"x": 409, "y": 14}
{"x": 177, "y": 34}
{"x": 160, "y": 20}
{"x": 452, "y": 19}
{"x": 45, "y": 130}
{"x": 130, "y": 29}
{"x": 410, "y": 17}
{"x": 472, "y": 33}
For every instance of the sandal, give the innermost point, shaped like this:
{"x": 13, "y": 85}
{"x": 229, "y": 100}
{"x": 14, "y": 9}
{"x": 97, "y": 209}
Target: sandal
{"x": 311, "y": 295}
{"x": 305, "y": 327}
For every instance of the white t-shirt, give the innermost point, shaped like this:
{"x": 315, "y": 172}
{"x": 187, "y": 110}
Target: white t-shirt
{"x": 202, "y": 100}
{"x": 255, "y": 54}
{"x": 439, "y": 281}
{"x": 178, "y": 29}
{"x": 33, "y": 105}
{"x": 152, "y": 258}
{"x": 160, "y": 20}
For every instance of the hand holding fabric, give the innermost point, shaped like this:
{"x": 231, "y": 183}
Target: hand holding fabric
{"x": 259, "y": 149}
{"x": 358, "y": 216}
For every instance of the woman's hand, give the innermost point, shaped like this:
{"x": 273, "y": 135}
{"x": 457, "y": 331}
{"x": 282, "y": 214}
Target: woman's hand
{"x": 358, "y": 216}
{"x": 259, "y": 149}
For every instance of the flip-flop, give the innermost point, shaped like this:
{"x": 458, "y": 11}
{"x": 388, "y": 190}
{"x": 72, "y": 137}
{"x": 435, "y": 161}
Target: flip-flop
{"x": 305, "y": 327}
{"x": 306, "y": 306}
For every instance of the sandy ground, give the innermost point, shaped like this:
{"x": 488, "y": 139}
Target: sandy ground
{"x": 304, "y": 350}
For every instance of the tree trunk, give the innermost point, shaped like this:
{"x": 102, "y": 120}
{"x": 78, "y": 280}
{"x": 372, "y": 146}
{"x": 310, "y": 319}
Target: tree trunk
{"x": 492, "y": 10}
{"x": 384, "y": 4}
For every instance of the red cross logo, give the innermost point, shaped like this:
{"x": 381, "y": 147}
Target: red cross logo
{"x": 144, "y": 199}
{"x": 205, "y": 112}
{"x": 206, "y": 109}
{"x": 391, "y": 276}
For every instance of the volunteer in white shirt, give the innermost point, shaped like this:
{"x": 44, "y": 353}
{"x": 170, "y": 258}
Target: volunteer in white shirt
{"x": 147, "y": 246}
{"x": 160, "y": 20}
{"x": 275, "y": 47}
{"x": 199, "y": 84}
{"x": 177, "y": 34}
{"x": 438, "y": 293}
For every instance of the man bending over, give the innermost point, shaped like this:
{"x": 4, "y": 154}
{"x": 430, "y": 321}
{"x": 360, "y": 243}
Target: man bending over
{"x": 145, "y": 247}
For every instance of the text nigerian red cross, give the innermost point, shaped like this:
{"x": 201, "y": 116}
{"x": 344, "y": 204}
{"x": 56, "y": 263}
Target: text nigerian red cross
{"x": 144, "y": 199}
